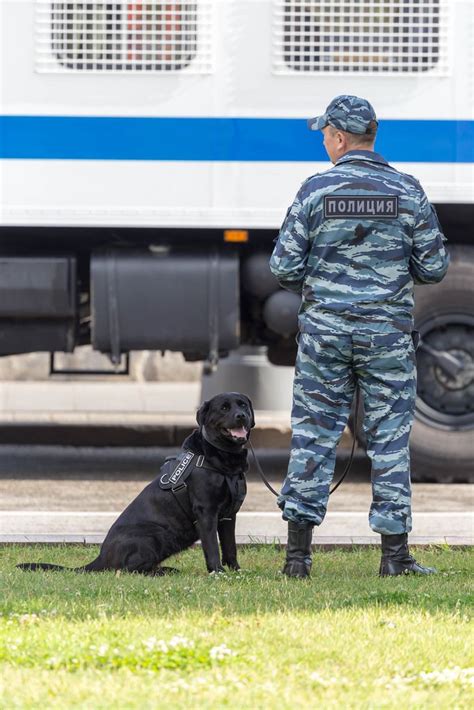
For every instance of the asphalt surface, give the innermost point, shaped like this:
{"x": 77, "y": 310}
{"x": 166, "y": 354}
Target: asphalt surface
{"x": 23, "y": 461}
{"x": 37, "y": 478}
{"x": 46, "y": 494}
{"x": 106, "y": 478}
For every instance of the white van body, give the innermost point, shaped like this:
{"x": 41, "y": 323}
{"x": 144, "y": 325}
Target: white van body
{"x": 235, "y": 167}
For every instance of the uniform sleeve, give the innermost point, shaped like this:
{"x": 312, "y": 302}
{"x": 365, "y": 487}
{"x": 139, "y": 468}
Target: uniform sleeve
{"x": 429, "y": 257}
{"x": 288, "y": 261}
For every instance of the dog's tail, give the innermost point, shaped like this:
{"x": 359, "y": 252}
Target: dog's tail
{"x": 34, "y": 566}
{"x": 94, "y": 566}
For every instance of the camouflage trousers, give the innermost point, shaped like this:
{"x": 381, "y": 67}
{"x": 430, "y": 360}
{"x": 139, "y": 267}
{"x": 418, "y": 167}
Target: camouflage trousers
{"x": 327, "y": 369}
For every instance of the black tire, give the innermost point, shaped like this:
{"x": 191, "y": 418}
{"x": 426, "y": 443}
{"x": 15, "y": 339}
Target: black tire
{"x": 444, "y": 459}
{"x": 443, "y": 450}
{"x": 441, "y": 447}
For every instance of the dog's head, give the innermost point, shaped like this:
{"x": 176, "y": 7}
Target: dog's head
{"x": 227, "y": 419}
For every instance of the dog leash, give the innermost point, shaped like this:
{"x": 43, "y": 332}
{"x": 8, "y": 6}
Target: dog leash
{"x": 348, "y": 465}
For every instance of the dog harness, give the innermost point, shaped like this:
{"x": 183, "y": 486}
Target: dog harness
{"x": 177, "y": 469}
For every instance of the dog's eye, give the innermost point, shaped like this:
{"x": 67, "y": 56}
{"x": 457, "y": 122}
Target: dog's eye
{"x": 225, "y": 407}
{"x": 242, "y": 404}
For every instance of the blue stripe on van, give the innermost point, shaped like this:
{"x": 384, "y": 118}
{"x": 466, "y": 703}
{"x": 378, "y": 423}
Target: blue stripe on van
{"x": 218, "y": 139}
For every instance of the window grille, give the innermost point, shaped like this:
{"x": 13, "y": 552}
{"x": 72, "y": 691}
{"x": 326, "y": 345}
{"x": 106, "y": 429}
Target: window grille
{"x": 124, "y": 36}
{"x": 360, "y": 36}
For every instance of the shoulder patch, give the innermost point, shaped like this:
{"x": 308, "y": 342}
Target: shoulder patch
{"x": 344, "y": 206}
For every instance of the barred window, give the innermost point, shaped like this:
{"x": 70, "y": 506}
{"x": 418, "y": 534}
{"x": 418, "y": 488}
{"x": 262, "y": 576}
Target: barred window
{"x": 124, "y": 36}
{"x": 360, "y": 36}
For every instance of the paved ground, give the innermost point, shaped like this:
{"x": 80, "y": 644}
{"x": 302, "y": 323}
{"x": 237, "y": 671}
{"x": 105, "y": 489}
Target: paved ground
{"x": 46, "y": 494}
{"x": 73, "y": 509}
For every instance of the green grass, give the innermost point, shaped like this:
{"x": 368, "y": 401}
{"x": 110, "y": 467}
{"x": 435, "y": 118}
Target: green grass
{"x": 344, "y": 639}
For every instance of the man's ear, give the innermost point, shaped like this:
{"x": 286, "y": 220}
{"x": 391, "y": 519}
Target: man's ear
{"x": 202, "y": 413}
{"x": 342, "y": 141}
{"x": 252, "y": 423}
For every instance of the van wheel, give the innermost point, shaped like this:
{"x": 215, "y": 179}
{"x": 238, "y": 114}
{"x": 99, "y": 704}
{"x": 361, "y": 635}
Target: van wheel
{"x": 442, "y": 440}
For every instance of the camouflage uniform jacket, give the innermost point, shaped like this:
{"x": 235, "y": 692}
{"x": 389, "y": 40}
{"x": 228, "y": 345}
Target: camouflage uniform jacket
{"x": 355, "y": 240}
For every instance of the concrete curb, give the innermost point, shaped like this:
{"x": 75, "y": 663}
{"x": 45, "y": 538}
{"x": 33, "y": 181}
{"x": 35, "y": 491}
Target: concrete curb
{"x": 323, "y": 542}
{"x": 340, "y": 528}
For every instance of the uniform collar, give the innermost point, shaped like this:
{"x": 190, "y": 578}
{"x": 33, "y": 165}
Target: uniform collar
{"x": 366, "y": 155}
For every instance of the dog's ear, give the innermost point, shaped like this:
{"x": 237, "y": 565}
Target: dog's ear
{"x": 252, "y": 423}
{"x": 202, "y": 412}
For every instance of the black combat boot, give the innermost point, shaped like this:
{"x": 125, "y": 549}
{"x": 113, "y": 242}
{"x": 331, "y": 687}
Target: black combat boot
{"x": 298, "y": 550}
{"x": 397, "y": 560}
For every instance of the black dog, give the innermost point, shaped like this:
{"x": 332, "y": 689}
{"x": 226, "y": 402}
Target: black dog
{"x": 170, "y": 515}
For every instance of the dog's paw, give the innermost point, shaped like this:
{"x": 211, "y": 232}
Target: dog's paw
{"x": 234, "y": 566}
{"x": 217, "y": 572}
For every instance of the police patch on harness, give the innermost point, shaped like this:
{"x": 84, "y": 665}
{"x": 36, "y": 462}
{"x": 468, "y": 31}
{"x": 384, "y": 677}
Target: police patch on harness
{"x": 343, "y": 206}
{"x": 169, "y": 479}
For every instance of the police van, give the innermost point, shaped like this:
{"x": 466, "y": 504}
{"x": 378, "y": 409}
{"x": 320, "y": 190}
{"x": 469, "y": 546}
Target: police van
{"x": 150, "y": 150}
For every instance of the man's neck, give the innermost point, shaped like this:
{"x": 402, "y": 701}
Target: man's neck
{"x": 357, "y": 149}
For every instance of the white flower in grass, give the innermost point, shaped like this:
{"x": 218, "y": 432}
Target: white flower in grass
{"x": 320, "y": 680}
{"x": 154, "y": 644}
{"x": 102, "y": 650}
{"x": 180, "y": 684}
{"x": 388, "y": 624}
{"x": 465, "y": 676}
{"x": 150, "y": 643}
{"x": 180, "y": 642}
{"x": 400, "y": 681}
{"x": 218, "y": 653}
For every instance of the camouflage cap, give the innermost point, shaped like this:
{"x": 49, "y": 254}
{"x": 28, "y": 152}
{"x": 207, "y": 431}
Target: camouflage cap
{"x": 348, "y": 113}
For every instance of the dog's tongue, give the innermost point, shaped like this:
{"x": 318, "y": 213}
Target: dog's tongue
{"x": 240, "y": 433}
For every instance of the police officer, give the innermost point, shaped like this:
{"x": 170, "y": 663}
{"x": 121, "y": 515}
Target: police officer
{"x": 354, "y": 242}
